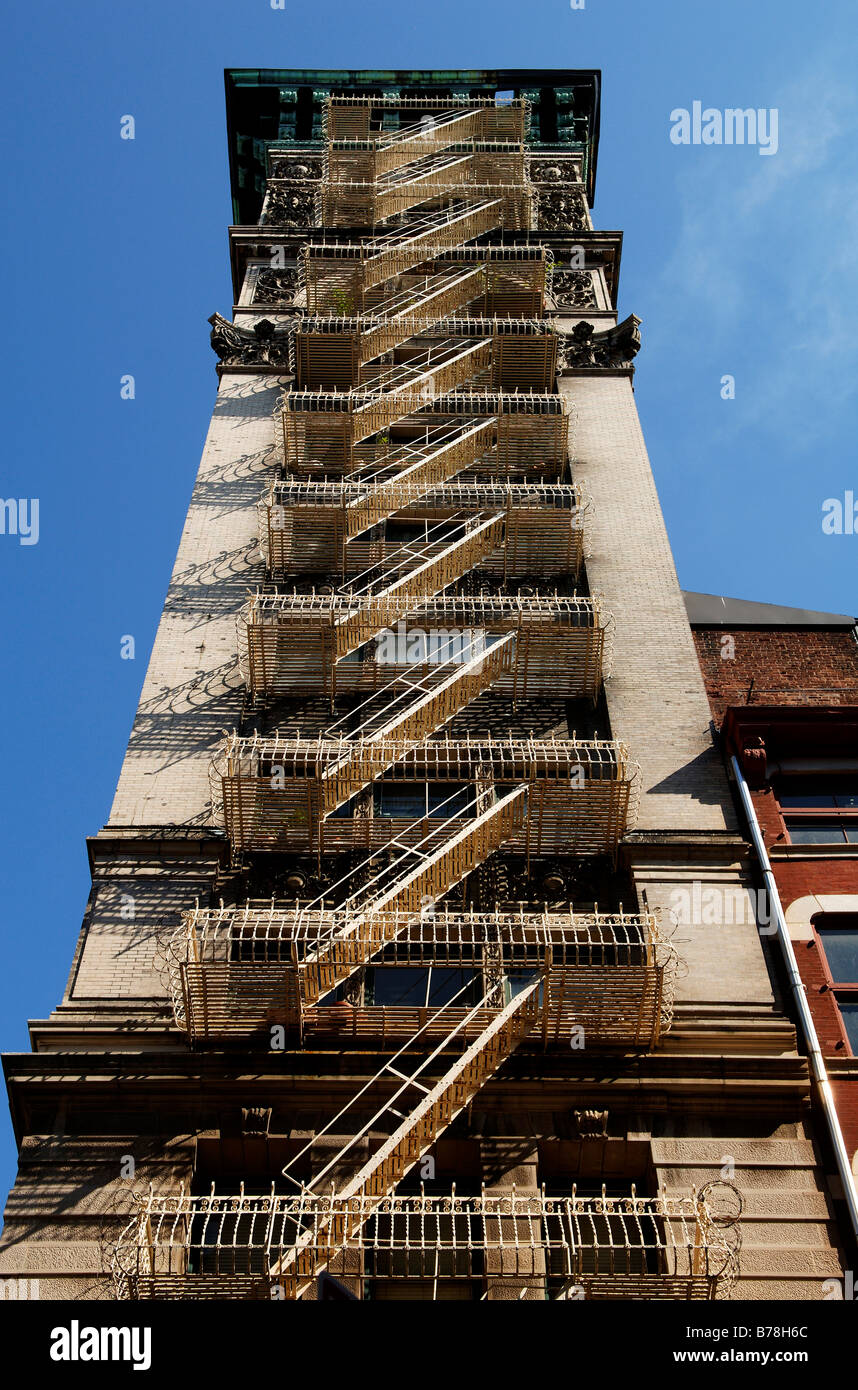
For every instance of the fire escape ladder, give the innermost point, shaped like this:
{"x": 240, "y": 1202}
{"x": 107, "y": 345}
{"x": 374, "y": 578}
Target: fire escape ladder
{"x": 422, "y": 1121}
{"x": 424, "y": 467}
{"x": 414, "y": 709}
{"x": 426, "y": 574}
{"x": 404, "y": 890}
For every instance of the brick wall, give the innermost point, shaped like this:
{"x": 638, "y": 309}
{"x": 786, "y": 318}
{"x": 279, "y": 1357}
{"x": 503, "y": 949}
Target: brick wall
{"x": 808, "y": 667}
{"x": 802, "y": 666}
{"x": 656, "y": 685}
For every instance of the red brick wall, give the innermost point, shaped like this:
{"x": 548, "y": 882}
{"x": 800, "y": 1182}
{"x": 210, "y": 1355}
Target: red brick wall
{"x": 816, "y": 666}
{"x": 796, "y": 879}
{"x": 794, "y": 667}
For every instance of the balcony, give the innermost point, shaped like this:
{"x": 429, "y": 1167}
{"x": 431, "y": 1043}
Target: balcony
{"x": 427, "y": 123}
{"x": 562, "y": 645}
{"x": 340, "y": 278}
{"x": 332, "y": 432}
{"x": 268, "y": 792}
{"x": 241, "y": 1246}
{"x": 321, "y": 528}
{"x": 336, "y": 352}
{"x": 238, "y": 971}
{"x": 360, "y": 189}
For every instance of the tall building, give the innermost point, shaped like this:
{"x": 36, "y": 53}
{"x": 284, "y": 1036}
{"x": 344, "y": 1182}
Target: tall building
{"x": 392, "y": 970}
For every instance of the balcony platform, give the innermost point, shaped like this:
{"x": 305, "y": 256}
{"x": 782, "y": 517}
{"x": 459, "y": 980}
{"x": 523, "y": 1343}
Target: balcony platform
{"x": 268, "y": 791}
{"x": 236, "y": 972}
{"x": 241, "y": 1246}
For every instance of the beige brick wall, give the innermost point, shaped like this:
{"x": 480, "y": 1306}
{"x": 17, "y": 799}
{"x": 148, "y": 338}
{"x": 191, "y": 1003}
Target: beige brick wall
{"x": 656, "y": 698}
{"x": 193, "y": 689}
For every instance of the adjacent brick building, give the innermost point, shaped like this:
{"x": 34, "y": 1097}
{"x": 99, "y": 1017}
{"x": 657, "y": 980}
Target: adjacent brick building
{"x": 783, "y": 686}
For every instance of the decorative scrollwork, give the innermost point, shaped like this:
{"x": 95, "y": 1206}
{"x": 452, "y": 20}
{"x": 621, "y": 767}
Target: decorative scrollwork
{"x": 550, "y": 171}
{"x": 584, "y": 347}
{"x": 290, "y": 204}
{"x": 290, "y": 167}
{"x": 562, "y": 210}
{"x": 262, "y": 345}
{"x": 276, "y": 286}
{"x": 574, "y": 289}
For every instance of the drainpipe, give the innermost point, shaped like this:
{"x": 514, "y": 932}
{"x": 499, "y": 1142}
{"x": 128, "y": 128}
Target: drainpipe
{"x": 814, "y": 1052}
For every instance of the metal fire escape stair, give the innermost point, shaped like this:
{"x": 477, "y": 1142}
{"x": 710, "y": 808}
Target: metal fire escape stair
{"x": 411, "y": 711}
{"x": 396, "y": 175}
{"x": 403, "y": 890}
{"x": 423, "y": 1118}
{"x": 416, "y": 709}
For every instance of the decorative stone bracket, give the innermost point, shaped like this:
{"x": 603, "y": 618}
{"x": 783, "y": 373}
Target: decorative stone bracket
{"x": 614, "y": 348}
{"x": 263, "y": 345}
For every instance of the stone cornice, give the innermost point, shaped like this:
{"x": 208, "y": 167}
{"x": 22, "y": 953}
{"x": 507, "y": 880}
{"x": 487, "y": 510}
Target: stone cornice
{"x": 254, "y": 243}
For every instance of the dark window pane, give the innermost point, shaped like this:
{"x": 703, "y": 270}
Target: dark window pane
{"x": 849, "y": 1010}
{"x": 446, "y": 799}
{"x": 809, "y": 799}
{"x": 414, "y": 985}
{"x": 820, "y": 832}
{"x": 446, "y": 983}
{"x": 841, "y": 951}
{"x": 399, "y": 986}
{"x": 851, "y": 832}
{"x": 820, "y": 791}
{"x": 404, "y": 803}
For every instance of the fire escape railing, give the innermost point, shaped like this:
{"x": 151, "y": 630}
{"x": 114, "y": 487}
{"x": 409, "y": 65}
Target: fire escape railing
{"x": 216, "y": 1245}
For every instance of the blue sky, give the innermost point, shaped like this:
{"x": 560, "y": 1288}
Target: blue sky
{"x": 116, "y": 253}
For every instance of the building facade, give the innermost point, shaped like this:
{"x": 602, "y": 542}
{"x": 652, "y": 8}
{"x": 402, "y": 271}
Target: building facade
{"x": 783, "y": 686}
{"x": 386, "y": 973}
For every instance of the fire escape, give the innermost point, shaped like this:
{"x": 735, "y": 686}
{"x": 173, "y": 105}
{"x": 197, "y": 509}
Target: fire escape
{"x": 424, "y": 453}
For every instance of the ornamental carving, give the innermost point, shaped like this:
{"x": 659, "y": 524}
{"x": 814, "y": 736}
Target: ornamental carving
{"x": 276, "y": 286}
{"x": 290, "y": 204}
{"x": 584, "y": 347}
{"x": 562, "y": 211}
{"x": 262, "y": 345}
{"x": 292, "y": 168}
{"x": 591, "y": 1124}
{"x": 573, "y": 289}
{"x": 753, "y": 761}
{"x": 549, "y": 171}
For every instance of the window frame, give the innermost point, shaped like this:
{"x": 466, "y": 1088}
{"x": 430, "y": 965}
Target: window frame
{"x": 835, "y": 988}
{"x": 844, "y": 816}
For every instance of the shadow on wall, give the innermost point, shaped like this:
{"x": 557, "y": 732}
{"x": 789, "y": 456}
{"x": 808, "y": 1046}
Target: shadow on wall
{"x": 703, "y": 780}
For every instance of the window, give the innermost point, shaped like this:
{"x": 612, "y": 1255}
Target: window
{"x": 807, "y": 803}
{"x": 818, "y": 792}
{"x": 411, "y": 801}
{"x": 421, "y": 987}
{"x": 838, "y": 937}
{"x": 821, "y": 832}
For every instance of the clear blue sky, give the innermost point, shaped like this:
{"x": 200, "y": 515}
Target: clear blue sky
{"x": 116, "y": 253}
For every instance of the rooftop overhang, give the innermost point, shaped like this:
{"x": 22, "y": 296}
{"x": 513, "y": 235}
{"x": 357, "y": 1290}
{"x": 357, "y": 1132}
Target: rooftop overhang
{"x": 715, "y": 610}
{"x": 283, "y": 106}
{"x": 766, "y": 738}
